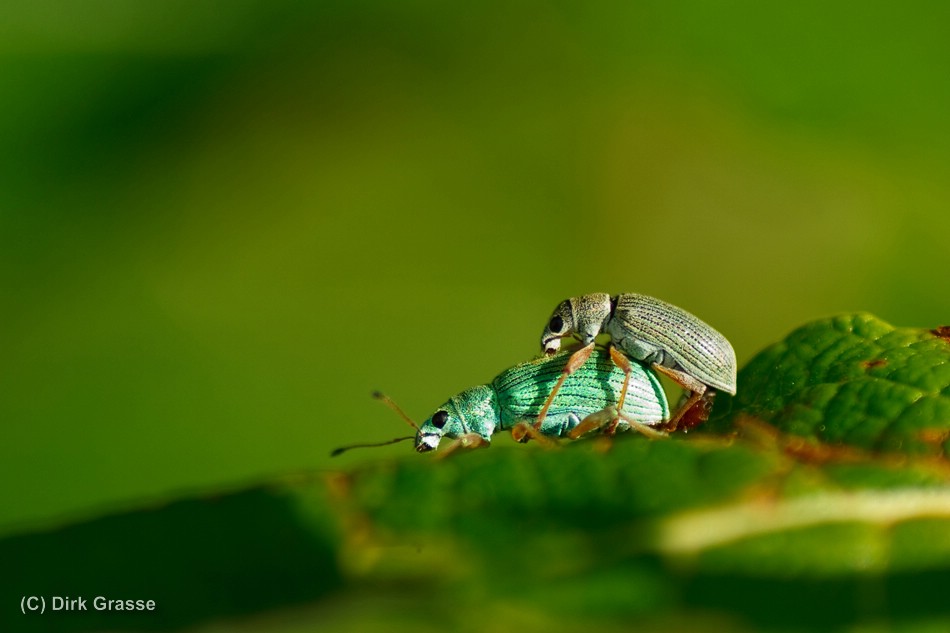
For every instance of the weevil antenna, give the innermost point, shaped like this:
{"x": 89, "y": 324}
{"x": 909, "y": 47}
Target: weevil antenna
{"x": 395, "y": 407}
{"x": 392, "y": 405}
{"x": 343, "y": 449}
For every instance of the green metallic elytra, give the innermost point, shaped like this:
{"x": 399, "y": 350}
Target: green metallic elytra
{"x": 518, "y": 394}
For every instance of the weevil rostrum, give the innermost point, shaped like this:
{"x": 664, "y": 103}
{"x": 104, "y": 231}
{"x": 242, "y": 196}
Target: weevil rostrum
{"x": 661, "y": 335}
{"x": 512, "y": 401}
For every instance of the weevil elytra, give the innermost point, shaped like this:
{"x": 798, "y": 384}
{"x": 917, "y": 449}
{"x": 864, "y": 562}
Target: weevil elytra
{"x": 512, "y": 401}
{"x": 659, "y": 334}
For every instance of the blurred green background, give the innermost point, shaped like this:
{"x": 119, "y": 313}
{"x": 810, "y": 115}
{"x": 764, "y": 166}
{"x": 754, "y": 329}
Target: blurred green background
{"x": 222, "y": 225}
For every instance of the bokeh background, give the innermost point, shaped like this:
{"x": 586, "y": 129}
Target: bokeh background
{"x": 222, "y": 225}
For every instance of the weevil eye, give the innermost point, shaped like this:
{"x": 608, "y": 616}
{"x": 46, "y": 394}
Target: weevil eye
{"x": 556, "y": 324}
{"x": 439, "y": 419}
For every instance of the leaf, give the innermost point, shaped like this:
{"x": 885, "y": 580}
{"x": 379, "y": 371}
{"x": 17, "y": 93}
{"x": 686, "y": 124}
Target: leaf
{"x": 766, "y": 521}
{"x": 852, "y": 380}
{"x": 224, "y": 554}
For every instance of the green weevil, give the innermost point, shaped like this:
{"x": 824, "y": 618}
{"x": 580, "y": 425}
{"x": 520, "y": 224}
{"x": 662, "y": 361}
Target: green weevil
{"x": 513, "y": 400}
{"x": 669, "y": 339}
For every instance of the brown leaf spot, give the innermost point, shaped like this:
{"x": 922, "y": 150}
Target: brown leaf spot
{"x": 942, "y": 331}
{"x": 756, "y": 430}
{"x": 933, "y": 436}
{"x": 338, "y": 484}
{"x": 802, "y": 449}
{"x": 877, "y": 362}
{"x": 817, "y": 453}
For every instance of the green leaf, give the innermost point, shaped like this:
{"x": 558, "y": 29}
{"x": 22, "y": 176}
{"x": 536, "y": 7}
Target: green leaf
{"x": 852, "y": 380}
{"x": 810, "y": 503}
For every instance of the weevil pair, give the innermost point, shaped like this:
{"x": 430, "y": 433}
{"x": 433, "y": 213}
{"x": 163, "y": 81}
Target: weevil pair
{"x": 567, "y": 394}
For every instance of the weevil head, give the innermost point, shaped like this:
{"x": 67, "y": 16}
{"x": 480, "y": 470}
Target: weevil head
{"x": 560, "y": 324}
{"x": 474, "y": 411}
{"x": 431, "y": 431}
{"x": 584, "y": 317}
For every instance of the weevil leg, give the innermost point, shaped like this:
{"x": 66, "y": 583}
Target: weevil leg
{"x": 469, "y": 440}
{"x": 674, "y": 422}
{"x": 610, "y": 427}
{"x": 699, "y": 412}
{"x": 608, "y": 419}
{"x": 620, "y": 360}
{"x": 577, "y": 359}
{"x": 524, "y": 431}
{"x": 519, "y": 432}
{"x": 695, "y": 388}
{"x": 640, "y": 427}
{"x": 597, "y": 420}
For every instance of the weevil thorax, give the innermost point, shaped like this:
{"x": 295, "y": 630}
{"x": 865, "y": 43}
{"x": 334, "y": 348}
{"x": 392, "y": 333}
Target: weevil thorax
{"x": 584, "y": 317}
{"x": 474, "y": 410}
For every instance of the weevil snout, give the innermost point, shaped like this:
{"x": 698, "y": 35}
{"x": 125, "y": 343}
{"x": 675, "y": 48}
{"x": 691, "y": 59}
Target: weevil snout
{"x": 426, "y": 443}
{"x": 560, "y": 325}
{"x": 551, "y": 345}
{"x": 431, "y": 431}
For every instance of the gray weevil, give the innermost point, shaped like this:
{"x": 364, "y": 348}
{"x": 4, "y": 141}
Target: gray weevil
{"x": 670, "y": 339}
